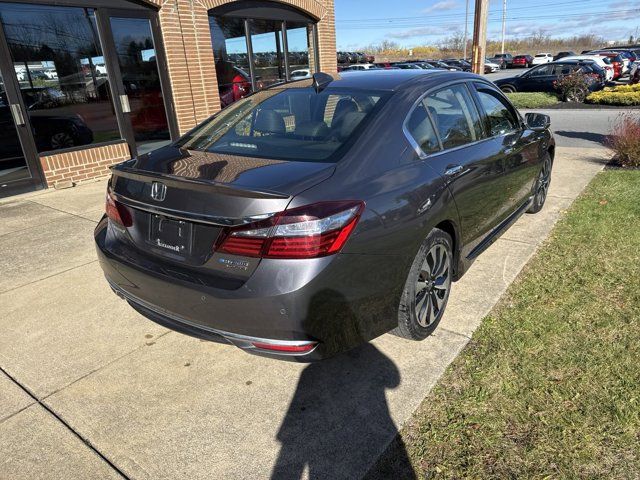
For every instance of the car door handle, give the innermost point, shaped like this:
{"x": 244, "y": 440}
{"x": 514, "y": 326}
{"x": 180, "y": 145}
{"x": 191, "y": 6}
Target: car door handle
{"x": 453, "y": 170}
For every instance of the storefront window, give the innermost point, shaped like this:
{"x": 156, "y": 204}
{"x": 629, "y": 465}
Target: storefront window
{"x": 268, "y": 61}
{"x": 262, "y": 52}
{"x": 141, "y": 80}
{"x": 232, "y": 60}
{"x": 62, "y": 75}
{"x": 298, "y": 35}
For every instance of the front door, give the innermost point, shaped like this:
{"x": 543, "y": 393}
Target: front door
{"x": 140, "y": 78}
{"x": 19, "y": 171}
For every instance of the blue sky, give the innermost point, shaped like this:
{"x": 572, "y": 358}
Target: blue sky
{"x": 417, "y": 22}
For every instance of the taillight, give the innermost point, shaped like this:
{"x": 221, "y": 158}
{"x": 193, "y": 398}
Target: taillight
{"x": 117, "y": 212}
{"x": 311, "y": 231}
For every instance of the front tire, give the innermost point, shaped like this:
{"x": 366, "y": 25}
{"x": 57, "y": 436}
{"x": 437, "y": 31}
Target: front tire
{"x": 542, "y": 186}
{"x": 426, "y": 291}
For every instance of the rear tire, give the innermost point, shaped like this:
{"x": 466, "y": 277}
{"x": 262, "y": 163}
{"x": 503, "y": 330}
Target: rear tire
{"x": 426, "y": 291}
{"x": 542, "y": 186}
{"x": 508, "y": 89}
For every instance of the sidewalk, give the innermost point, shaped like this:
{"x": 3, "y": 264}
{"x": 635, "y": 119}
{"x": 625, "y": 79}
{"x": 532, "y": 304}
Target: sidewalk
{"x": 91, "y": 389}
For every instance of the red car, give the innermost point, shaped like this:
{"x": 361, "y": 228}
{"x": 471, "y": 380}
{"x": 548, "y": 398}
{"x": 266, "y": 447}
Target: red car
{"x": 522, "y": 61}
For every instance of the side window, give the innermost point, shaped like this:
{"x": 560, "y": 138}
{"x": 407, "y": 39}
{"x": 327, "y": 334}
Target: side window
{"x": 542, "y": 71}
{"x": 455, "y": 116}
{"x": 500, "y": 118}
{"x": 421, "y": 129}
{"x": 565, "y": 69}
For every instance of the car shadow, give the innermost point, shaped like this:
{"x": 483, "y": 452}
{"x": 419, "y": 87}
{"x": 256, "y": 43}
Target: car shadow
{"x": 588, "y": 136}
{"x": 338, "y": 422}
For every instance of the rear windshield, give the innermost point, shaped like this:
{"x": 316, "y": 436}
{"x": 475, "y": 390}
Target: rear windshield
{"x": 291, "y": 123}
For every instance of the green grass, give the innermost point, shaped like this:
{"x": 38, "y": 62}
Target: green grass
{"x": 549, "y": 386}
{"x": 533, "y": 100}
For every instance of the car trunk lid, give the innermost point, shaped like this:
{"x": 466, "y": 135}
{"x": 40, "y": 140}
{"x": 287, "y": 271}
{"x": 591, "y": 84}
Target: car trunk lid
{"x": 180, "y": 200}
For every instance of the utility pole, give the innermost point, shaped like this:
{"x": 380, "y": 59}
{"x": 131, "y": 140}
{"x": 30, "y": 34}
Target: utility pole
{"x": 480, "y": 35}
{"x": 504, "y": 22}
{"x": 466, "y": 30}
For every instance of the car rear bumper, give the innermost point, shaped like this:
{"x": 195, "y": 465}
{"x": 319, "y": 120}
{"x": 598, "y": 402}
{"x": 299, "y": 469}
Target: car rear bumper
{"x": 334, "y": 303}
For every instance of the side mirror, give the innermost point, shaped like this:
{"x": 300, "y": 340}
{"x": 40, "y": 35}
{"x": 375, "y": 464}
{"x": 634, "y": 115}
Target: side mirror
{"x": 538, "y": 122}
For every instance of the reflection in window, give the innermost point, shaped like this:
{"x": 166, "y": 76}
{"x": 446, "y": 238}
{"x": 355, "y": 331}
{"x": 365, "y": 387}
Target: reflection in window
{"x": 13, "y": 165}
{"x": 59, "y": 66}
{"x": 298, "y": 35}
{"x": 266, "y": 40}
{"x": 232, "y": 62}
{"x": 455, "y": 116}
{"x": 421, "y": 129}
{"x": 499, "y": 116}
{"x": 136, "y": 53}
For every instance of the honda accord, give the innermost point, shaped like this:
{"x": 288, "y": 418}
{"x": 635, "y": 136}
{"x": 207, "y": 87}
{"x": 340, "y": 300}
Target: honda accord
{"x": 313, "y": 216}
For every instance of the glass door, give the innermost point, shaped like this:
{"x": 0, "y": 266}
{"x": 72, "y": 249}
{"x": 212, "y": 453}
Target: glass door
{"x": 19, "y": 170}
{"x": 140, "y": 78}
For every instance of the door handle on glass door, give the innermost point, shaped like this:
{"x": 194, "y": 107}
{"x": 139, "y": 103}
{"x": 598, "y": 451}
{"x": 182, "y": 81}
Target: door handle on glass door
{"x": 16, "y": 112}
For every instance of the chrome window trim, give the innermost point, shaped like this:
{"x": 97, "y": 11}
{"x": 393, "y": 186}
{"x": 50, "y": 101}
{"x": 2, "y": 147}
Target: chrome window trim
{"x": 412, "y": 141}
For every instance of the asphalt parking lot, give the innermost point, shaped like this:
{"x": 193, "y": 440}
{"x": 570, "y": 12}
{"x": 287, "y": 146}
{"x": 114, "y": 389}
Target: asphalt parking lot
{"x": 90, "y": 389}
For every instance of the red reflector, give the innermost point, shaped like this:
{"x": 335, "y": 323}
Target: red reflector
{"x": 285, "y": 348}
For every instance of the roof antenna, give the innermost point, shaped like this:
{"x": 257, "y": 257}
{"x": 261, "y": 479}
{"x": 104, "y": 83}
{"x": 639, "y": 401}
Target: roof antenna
{"x": 321, "y": 81}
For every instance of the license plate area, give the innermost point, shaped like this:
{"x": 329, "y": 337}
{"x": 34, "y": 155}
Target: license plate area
{"x": 170, "y": 235}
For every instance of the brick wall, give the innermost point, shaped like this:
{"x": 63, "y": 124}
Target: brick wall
{"x": 74, "y": 167}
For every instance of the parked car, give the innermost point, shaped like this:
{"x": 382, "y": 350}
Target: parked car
{"x": 442, "y": 65}
{"x": 305, "y": 240}
{"x": 490, "y": 66}
{"x": 543, "y": 78}
{"x": 52, "y": 129}
{"x": 408, "y": 66}
{"x": 522, "y": 61}
{"x": 461, "y": 64}
{"x": 300, "y": 74}
{"x": 505, "y": 60}
{"x": 560, "y": 55}
{"x": 617, "y": 62}
{"x": 342, "y": 57}
{"x": 603, "y": 62}
{"x": 361, "y": 66}
{"x": 542, "y": 58}
{"x": 634, "y": 74}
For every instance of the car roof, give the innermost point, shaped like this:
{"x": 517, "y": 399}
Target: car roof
{"x": 391, "y": 80}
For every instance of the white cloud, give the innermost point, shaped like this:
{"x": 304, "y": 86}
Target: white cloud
{"x": 441, "y": 6}
{"x": 417, "y": 32}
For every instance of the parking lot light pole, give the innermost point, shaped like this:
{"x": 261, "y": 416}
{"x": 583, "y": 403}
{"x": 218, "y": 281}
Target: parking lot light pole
{"x": 480, "y": 35}
{"x": 504, "y": 22}
{"x": 466, "y": 30}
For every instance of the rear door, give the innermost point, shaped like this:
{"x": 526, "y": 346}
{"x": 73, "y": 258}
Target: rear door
{"x": 471, "y": 164}
{"x": 537, "y": 79}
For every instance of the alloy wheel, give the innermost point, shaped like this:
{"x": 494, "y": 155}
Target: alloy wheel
{"x": 543, "y": 183}
{"x": 433, "y": 285}
{"x": 61, "y": 140}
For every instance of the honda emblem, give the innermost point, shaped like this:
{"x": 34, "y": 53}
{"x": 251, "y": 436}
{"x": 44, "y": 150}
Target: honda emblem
{"x": 158, "y": 191}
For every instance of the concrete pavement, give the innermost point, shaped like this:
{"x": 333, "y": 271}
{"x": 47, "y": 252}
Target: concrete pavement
{"x": 90, "y": 389}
